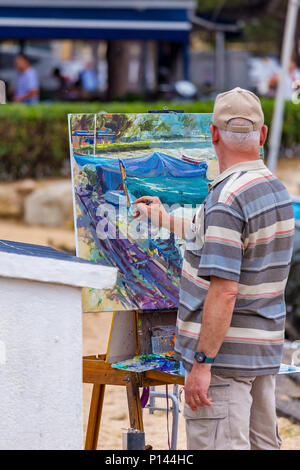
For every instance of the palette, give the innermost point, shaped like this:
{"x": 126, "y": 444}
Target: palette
{"x": 147, "y": 362}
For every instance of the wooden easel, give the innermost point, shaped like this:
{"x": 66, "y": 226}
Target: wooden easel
{"x": 98, "y": 371}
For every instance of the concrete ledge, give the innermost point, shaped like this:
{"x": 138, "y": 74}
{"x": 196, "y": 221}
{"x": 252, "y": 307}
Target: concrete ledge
{"x": 57, "y": 271}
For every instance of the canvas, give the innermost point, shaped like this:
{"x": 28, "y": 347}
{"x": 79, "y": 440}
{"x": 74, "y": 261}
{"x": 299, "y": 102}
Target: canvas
{"x": 117, "y": 158}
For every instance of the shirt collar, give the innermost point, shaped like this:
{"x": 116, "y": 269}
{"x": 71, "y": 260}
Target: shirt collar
{"x": 238, "y": 167}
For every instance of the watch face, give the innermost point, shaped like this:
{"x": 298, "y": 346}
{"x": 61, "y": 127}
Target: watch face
{"x": 200, "y": 356}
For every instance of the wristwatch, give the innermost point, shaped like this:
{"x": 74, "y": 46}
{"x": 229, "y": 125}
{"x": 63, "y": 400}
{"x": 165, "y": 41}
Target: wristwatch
{"x": 202, "y": 359}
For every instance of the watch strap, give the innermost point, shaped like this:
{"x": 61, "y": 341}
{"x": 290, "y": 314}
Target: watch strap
{"x": 204, "y": 359}
{"x": 209, "y": 360}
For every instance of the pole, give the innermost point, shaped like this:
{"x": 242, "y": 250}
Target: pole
{"x": 2, "y": 93}
{"x": 276, "y": 130}
{"x": 220, "y": 60}
{"x": 185, "y": 60}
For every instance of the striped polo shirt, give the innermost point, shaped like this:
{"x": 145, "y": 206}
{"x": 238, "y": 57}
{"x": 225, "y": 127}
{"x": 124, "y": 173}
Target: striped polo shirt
{"x": 243, "y": 231}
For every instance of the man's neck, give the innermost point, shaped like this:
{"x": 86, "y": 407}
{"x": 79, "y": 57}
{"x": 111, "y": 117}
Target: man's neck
{"x": 228, "y": 160}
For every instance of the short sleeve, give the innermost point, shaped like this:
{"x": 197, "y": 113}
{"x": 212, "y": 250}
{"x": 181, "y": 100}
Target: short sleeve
{"x": 222, "y": 250}
{"x": 33, "y": 82}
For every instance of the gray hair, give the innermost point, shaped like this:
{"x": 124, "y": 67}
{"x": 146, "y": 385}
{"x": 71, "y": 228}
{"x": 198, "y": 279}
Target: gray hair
{"x": 240, "y": 140}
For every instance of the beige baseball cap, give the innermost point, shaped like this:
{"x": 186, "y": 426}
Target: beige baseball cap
{"x": 238, "y": 103}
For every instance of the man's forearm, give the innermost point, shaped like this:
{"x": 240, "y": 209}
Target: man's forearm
{"x": 217, "y": 314}
{"x": 178, "y": 226}
{"x": 152, "y": 207}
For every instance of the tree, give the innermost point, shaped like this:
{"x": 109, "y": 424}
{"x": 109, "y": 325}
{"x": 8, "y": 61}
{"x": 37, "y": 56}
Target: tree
{"x": 118, "y": 64}
{"x": 263, "y": 20}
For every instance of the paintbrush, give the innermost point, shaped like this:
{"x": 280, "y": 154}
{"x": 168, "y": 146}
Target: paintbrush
{"x": 123, "y": 178}
{"x": 147, "y": 203}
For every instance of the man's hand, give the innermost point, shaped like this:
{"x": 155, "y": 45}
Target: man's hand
{"x": 154, "y": 210}
{"x": 197, "y": 385}
{"x": 151, "y": 207}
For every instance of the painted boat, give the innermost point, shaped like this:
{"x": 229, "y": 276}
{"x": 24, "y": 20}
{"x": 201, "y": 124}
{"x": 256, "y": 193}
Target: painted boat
{"x": 196, "y": 160}
{"x": 171, "y": 179}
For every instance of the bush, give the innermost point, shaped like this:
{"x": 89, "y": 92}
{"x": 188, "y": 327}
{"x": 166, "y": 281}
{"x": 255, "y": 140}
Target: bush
{"x": 35, "y": 142}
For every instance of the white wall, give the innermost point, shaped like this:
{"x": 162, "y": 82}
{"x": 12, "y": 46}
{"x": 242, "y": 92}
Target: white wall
{"x": 40, "y": 366}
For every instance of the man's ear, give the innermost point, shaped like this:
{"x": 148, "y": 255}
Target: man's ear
{"x": 214, "y": 134}
{"x": 263, "y": 134}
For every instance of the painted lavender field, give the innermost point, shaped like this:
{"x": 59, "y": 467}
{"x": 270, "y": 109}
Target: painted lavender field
{"x": 168, "y": 155}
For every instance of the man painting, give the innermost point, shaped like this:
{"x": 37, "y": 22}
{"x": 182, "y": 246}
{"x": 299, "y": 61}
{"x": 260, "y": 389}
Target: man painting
{"x": 231, "y": 316}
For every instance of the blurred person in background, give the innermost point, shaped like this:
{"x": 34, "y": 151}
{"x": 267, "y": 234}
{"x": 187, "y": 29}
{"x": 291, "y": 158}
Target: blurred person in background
{"x": 27, "y": 85}
{"x": 291, "y": 83}
{"x": 89, "y": 81}
{"x": 64, "y": 84}
{"x": 268, "y": 68}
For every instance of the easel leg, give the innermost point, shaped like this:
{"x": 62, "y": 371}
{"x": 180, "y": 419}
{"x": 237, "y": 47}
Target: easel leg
{"x": 134, "y": 406}
{"x": 92, "y": 434}
{"x": 136, "y": 332}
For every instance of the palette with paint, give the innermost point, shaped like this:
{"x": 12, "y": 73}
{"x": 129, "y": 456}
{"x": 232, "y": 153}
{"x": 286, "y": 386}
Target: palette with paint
{"x": 150, "y": 362}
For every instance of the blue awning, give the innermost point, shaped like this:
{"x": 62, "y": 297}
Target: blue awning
{"x": 90, "y": 19}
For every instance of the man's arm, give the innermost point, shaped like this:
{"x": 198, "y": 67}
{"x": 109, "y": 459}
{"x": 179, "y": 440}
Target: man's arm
{"x": 31, "y": 94}
{"x": 178, "y": 226}
{"x": 216, "y": 319}
{"x": 152, "y": 207}
{"x": 217, "y": 314}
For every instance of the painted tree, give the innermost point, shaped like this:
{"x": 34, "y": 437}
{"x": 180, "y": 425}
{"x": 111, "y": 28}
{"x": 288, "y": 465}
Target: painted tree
{"x": 117, "y": 123}
{"x": 84, "y": 122}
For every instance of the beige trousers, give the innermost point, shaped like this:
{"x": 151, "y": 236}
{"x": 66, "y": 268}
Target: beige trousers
{"x": 242, "y": 416}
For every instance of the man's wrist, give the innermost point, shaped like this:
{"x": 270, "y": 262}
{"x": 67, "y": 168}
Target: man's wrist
{"x": 201, "y": 358}
{"x": 201, "y": 366}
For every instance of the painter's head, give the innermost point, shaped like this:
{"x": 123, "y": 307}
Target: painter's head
{"x": 238, "y": 128}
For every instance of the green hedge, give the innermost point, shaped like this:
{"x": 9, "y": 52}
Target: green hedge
{"x": 34, "y": 139}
